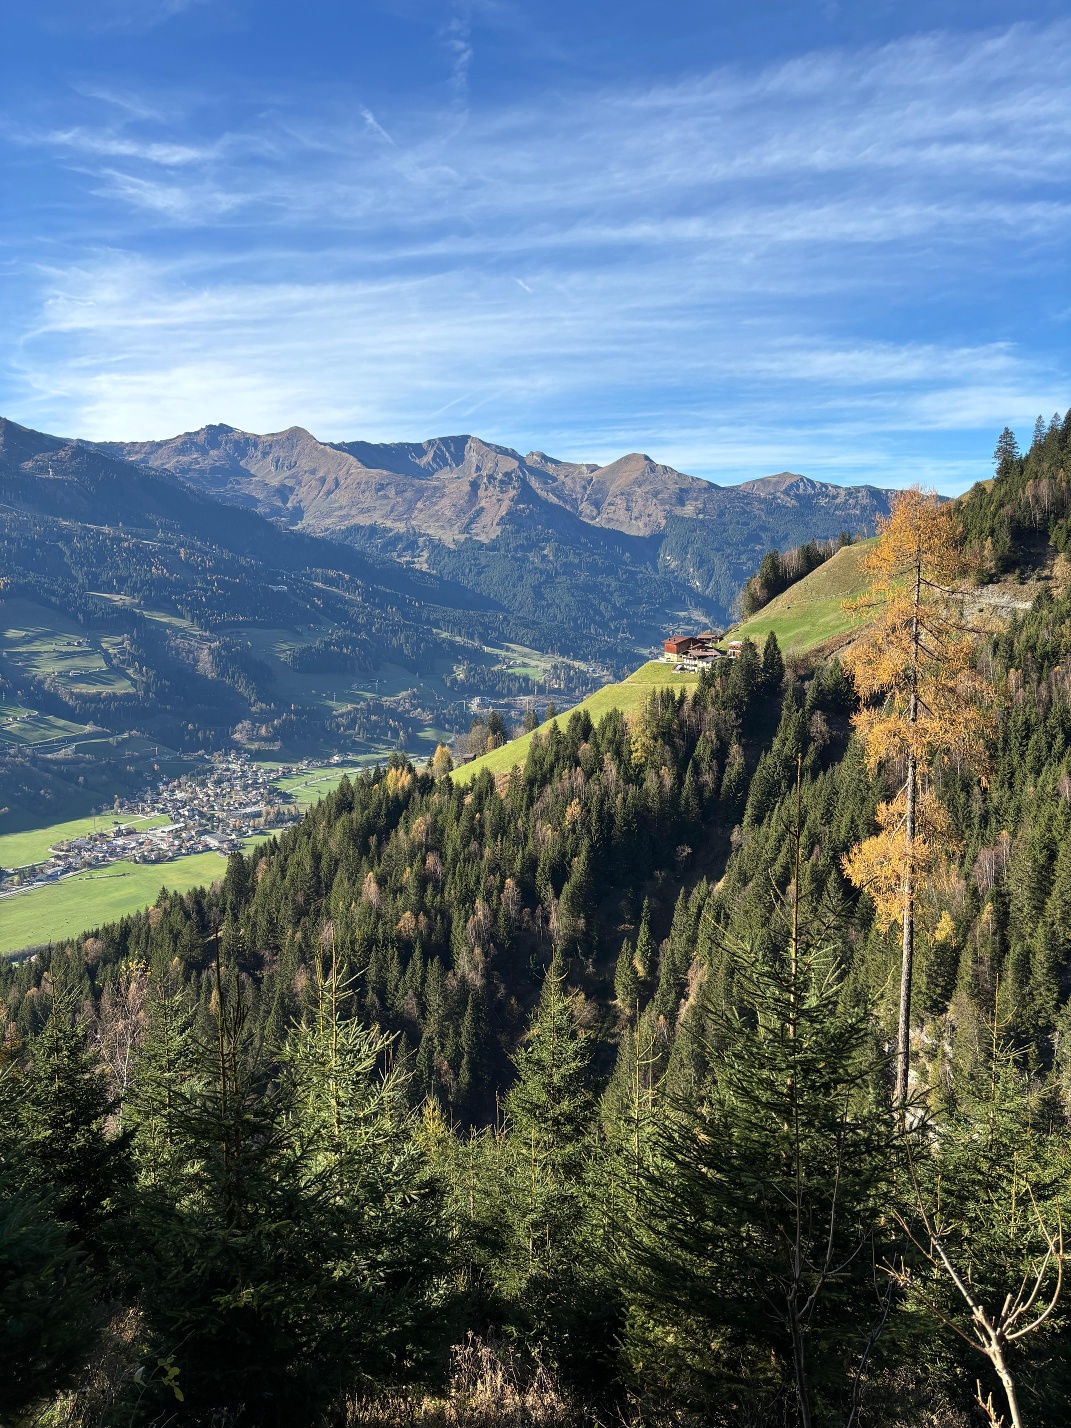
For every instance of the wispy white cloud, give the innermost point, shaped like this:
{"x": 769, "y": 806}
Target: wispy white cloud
{"x": 735, "y": 268}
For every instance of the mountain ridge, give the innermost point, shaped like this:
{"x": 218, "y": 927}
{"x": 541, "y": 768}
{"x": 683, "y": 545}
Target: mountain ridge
{"x": 461, "y": 487}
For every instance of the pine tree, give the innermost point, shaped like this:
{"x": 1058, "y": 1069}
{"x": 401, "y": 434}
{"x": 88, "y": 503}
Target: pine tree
{"x": 71, "y": 1162}
{"x": 761, "y": 1209}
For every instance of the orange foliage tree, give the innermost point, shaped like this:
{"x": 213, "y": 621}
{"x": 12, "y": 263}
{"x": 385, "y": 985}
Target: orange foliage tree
{"x": 922, "y": 699}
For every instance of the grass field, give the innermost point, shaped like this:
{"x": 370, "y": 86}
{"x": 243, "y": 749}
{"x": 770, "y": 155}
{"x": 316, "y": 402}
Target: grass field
{"x": 67, "y": 908}
{"x": 309, "y": 785}
{"x": 628, "y": 696}
{"x": 37, "y": 729}
{"x": 31, "y": 846}
{"x": 810, "y": 612}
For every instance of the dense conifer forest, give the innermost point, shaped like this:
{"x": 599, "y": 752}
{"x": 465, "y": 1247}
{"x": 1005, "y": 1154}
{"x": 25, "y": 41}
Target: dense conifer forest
{"x": 570, "y": 1097}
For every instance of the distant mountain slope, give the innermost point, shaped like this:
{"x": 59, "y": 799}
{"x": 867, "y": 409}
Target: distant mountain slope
{"x": 74, "y": 481}
{"x": 455, "y": 487}
{"x": 626, "y": 547}
{"x": 195, "y": 618}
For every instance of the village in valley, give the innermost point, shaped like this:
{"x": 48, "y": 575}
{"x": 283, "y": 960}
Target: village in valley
{"x": 210, "y": 811}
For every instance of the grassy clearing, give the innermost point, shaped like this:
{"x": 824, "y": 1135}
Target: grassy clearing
{"x": 32, "y": 845}
{"x": 308, "y": 786}
{"x": 627, "y": 696}
{"x": 67, "y": 908}
{"x": 38, "y": 729}
{"x": 809, "y": 612}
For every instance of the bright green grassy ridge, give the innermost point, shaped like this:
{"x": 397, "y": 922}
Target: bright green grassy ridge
{"x": 627, "y": 696}
{"x": 810, "y": 612}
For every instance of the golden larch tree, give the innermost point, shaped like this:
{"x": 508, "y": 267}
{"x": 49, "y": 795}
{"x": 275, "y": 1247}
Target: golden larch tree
{"x": 922, "y": 698}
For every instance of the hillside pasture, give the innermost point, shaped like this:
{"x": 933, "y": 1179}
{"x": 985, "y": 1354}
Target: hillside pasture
{"x": 47, "y": 644}
{"x": 628, "y": 696}
{"x": 811, "y": 612}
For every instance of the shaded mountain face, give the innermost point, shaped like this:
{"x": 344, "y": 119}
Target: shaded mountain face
{"x": 460, "y": 487}
{"x": 199, "y": 619}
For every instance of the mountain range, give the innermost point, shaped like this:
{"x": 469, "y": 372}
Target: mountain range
{"x": 221, "y": 581}
{"x": 460, "y": 487}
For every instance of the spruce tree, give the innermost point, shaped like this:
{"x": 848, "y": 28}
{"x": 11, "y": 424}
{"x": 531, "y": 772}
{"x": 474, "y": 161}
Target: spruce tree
{"x": 626, "y": 982}
{"x": 773, "y": 665}
{"x": 763, "y": 1208}
{"x": 71, "y": 1161}
{"x": 295, "y": 1251}
{"x": 49, "y": 1314}
{"x": 1007, "y": 451}
{"x": 546, "y": 1271}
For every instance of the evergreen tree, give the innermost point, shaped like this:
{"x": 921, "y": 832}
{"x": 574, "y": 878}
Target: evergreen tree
{"x": 295, "y": 1253}
{"x": 762, "y": 1209}
{"x": 1006, "y": 452}
{"x": 626, "y": 982}
{"x": 643, "y": 956}
{"x": 49, "y": 1315}
{"x": 773, "y": 665}
{"x": 546, "y": 1270}
{"x": 70, "y": 1161}
{"x": 986, "y": 1221}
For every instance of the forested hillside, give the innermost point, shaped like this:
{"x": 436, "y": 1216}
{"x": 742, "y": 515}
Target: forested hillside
{"x": 588, "y": 1073}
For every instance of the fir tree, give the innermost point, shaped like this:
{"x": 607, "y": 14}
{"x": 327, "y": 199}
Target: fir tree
{"x": 762, "y": 1208}
{"x": 71, "y": 1162}
{"x": 1007, "y": 451}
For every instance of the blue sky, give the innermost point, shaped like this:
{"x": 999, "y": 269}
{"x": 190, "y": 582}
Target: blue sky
{"x": 824, "y": 237}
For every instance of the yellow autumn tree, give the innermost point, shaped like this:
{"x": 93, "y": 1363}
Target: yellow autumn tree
{"x": 442, "y": 761}
{"x": 922, "y": 699}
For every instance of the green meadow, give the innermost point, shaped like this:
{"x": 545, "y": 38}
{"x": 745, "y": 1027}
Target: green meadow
{"x": 32, "y": 845}
{"x": 101, "y": 895}
{"x": 811, "y": 612}
{"x": 628, "y": 696}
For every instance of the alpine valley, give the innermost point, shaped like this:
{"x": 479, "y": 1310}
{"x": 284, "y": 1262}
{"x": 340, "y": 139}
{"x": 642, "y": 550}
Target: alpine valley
{"x": 290, "y": 596}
